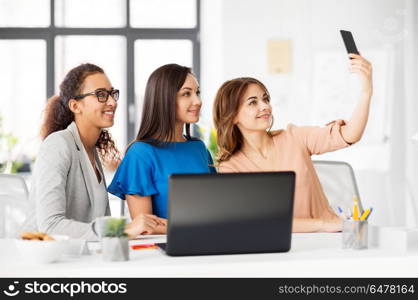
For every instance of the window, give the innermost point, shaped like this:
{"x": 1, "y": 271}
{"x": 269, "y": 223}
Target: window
{"x": 90, "y": 14}
{"x": 20, "y": 13}
{"x": 176, "y": 13}
{"x": 41, "y": 40}
{"x": 23, "y": 96}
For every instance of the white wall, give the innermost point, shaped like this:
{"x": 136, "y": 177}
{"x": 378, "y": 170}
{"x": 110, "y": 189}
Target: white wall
{"x": 411, "y": 93}
{"x": 234, "y": 38}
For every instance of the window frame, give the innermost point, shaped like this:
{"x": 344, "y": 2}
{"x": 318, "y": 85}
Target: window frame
{"x": 130, "y": 33}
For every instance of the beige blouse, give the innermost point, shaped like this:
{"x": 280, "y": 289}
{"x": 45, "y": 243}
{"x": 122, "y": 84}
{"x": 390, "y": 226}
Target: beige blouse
{"x": 294, "y": 147}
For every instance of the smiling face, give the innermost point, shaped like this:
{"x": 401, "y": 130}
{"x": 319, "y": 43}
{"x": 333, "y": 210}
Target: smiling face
{"x": 89, "y": 109}
{"x": 188, "y": 101}
{"x": 255, "y": 112}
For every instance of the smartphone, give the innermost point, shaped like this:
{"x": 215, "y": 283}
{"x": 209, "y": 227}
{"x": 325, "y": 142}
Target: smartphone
{"x": 349, "y": 43}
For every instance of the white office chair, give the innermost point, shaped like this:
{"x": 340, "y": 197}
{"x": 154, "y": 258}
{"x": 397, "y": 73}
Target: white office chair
{"x": 14, "y": 202}
{"x": 339, "y": 183}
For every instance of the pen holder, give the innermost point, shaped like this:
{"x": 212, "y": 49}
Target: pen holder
{"x": 355, "y": 234}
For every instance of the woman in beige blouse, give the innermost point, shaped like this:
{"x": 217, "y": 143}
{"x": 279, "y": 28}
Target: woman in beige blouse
{"x": 243, "y": 118}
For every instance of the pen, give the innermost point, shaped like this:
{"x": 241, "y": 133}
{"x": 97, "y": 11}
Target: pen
{"x": 360, "y": 206}
{"x": 144, "y": 246}
{"x": 355, "y": 212}
{"x": 366, "y": 214}
{"x": 355, "y": 209}
{"x": 341, "y": 213}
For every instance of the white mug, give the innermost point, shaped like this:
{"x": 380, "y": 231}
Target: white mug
{"x": 99, "y": 226}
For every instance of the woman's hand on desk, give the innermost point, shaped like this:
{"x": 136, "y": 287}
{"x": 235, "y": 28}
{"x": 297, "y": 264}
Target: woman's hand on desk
{"x": 146, "y": 224}
{"x": 332, "y": 225}
{"x": 140, "y": 208}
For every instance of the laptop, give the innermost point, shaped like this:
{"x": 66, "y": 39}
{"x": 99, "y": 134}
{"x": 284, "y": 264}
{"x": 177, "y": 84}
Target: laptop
{"x": 229, "y": 213}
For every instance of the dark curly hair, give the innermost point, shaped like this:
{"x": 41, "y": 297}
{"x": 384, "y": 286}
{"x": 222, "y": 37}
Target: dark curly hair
{"x": 58, "y": 114}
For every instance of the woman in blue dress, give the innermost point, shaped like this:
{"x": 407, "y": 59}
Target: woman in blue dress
{"x": 171, "y": 103}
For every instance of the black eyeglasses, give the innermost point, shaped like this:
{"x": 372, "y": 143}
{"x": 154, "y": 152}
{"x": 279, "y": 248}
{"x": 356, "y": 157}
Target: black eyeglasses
{"x": 101, "y": 94}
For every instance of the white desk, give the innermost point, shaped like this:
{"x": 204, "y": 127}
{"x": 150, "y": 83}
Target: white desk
{"x": 312, "y": 255}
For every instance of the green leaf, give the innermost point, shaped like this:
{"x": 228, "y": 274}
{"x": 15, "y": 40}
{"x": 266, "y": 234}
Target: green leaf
{"x": 213, "y": 146}
{"x": 115, "y": 227}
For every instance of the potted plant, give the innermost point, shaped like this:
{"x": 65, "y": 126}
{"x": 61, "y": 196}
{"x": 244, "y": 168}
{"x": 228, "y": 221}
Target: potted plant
{"x": 211, "y": 139}
{"x": 213, "y": 145}
{"x": 115, "y": 245}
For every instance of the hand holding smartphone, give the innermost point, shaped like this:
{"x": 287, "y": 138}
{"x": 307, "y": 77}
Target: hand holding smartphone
{"x": 358, "y": 64}
{"x": 349, "y": 43}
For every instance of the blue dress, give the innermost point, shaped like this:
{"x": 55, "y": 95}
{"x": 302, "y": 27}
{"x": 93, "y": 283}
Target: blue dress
{"x": 145, "y": 170}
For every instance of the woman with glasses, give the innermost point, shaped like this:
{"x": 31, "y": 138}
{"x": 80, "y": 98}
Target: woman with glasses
{"x": 171, "y": 103}
{"x": 68, "y": 189}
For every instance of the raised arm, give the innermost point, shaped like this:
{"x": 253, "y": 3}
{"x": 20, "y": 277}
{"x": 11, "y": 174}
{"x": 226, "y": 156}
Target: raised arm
{"x": 353, "y": 130}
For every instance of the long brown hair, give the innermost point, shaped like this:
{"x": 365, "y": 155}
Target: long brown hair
{"x": 158, "y": 122}
{"x": 225, "y": 108}
{"x": 58, "y": 114}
